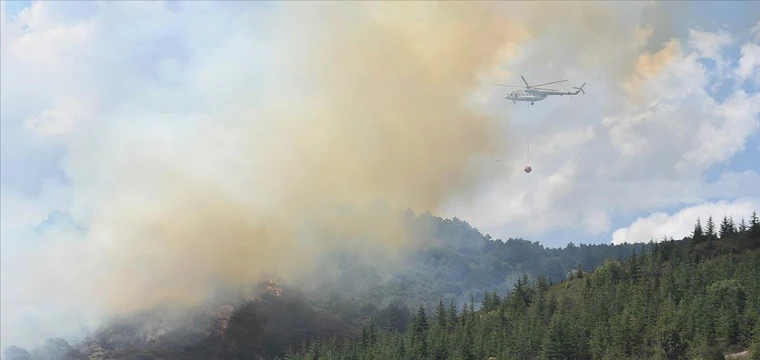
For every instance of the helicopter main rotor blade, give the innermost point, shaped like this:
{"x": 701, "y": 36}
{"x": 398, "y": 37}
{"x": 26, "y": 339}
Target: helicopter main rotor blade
{"x": 553, "y": 82}
{"x": 506, "y": 85}
{"x": 544, "y": 89}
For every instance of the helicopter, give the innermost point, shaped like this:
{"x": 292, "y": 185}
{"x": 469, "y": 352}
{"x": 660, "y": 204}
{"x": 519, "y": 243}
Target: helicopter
{"x": 534, "y": 93}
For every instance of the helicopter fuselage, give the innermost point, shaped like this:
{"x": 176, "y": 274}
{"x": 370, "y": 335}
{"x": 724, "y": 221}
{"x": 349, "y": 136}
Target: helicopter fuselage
{"x": 532, "y": 95}
{"x": 526, "y": 95}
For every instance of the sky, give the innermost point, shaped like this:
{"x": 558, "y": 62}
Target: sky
{"x": 636, "y": 171}
{"x": 667, "y": 131}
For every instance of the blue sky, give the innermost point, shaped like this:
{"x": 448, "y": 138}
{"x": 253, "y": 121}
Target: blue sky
{"x": 14, "y": 7}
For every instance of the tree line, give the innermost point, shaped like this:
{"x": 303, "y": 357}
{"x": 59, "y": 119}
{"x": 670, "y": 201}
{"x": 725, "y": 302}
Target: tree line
{"x": 696, "y": 298}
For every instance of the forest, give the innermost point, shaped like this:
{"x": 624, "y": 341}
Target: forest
{"x": 697, "y": 298}
{"x": 467, "y": 296}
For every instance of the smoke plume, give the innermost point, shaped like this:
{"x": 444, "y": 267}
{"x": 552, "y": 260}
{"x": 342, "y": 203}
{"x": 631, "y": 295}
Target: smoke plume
{"x": 362, "y": 102}
{"x": 373, "y": 110}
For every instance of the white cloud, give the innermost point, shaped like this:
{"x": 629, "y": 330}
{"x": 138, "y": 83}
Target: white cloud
{"x": 597, "y": 221}
{"x": 731, "y": 123}
{"x": 681, "y": 224}
{"x": 709, "y": 44}
{"x": 755, "y": 31}
{"x": 749, "y": 63}
{"x": 733, "y": 185}
{"x": 67, "y": 112}
{"x": 18, "y": 211}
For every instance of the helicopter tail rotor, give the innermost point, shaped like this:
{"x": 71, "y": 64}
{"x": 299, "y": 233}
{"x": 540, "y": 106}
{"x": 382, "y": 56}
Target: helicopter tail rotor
{"x": 580, "y": 89}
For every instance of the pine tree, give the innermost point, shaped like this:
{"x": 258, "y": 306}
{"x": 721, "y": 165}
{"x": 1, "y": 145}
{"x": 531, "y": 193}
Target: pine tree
{"x": 490, "y": 301}
{"x": 466, "y": 343}
{"x": 710, "y": 230}
{"x": 452, "y": 318}
{"x": 465, "y": 316}
{"x": 439, "y": 345}
{"x": 754, "y": 348}
{"x": 697, "y": 235}
{"x": 400, "y": 349}
{"x": 542, "y": 284}
{"x": 728, "y": 297}
{"x": 440, "y": 314}
{"x": 420, "y": 322}
{"x": 725, "y": 228}
{"x": 633, "y": 266}
{"x": 365, "y": 338}
{"x": 372, "y": 332}
{"x": 754, "y": 224}
{"x": 552, "y": 347}
{"x": 742, "y": 226}
{"x": 671, "y": 344}
{"x": 523, "y": 292}
{"x": 419, "y": 345}
{"x": 486, "y": 304}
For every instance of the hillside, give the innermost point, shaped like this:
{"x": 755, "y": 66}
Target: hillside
{"x": 456, "y": 265}
{"x": 696, "y": 298}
